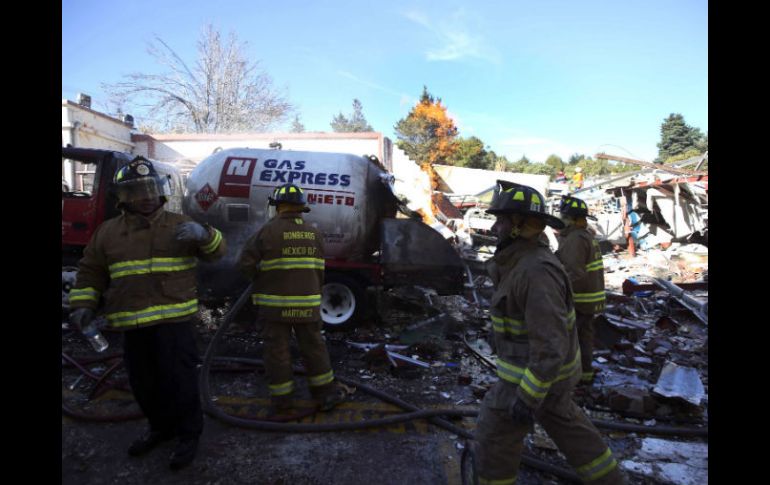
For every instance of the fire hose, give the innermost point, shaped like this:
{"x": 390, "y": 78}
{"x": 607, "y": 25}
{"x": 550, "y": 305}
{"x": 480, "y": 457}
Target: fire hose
{"x": 433, "y": 416}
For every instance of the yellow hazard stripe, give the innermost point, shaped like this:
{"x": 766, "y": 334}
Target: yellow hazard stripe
{"x": 153, "y": 313}
{"x": 84, "y": 294}
{"x": 568, "y": 370}
{"x": 286, "y": 300}
{"x": 147, "y": 266}
{"x": 321, "y": 380}
{"x": 599, "y": 467}
{"x": 509, "y": 325}
{"x": 509, "y": 372}
{"x": 534, "y": 386}
{"x": 529, "y": 382}
{"x": 590, "y": 297}
{"x": 281, "y": 389}
{"x": 292, "y": 263}
{"x": 595, "y": 266}
{"x": 214, "y": 244}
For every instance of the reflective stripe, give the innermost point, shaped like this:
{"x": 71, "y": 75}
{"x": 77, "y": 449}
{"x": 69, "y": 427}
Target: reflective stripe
{"x": 214, "y": 244}
{"x": 534, "y": 386}
{"x": 505, "y": 324}
{"x": 286, "y": 300}
{"x": 595, "y": 266}
{"x": 154, "y": 265}
{"x": 590, "y": 297}
{"x": 527, "y": 380}
{"x": 598, "y": 467}
{"x": 519, "y": 327}
{"x": 153, "y": 313}
{"x": 509, "y": 372}
{"x": 281, "y": 389}
{"x": 84, "y": 294}
{"x": 587, "y": 376}
{"x": 321, "y": 380}
{"x": 503, "y": 481}
{"x": 567, "y": 370}
{"x": 292, "y": 263}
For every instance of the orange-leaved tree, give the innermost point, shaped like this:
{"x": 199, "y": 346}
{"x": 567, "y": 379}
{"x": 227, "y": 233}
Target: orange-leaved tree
{"x": 427, "y": 135}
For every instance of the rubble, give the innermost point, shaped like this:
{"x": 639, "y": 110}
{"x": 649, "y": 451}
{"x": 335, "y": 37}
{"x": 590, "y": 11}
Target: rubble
{"x": 651, "y": 356}
{"x": 670, "y": 462}
{"x": 680, "y": 382}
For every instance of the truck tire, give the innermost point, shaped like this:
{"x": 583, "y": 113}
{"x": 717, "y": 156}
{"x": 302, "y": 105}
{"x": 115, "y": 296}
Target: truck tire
{"x": 343, "y": 301}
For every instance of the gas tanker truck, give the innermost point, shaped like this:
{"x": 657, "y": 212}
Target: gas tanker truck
{"x": 352, "y": 204}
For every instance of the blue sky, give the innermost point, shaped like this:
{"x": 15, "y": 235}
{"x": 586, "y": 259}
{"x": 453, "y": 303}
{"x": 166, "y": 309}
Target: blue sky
{"x": 526, "y": 77}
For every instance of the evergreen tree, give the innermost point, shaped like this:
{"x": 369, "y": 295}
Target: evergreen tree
{"x": 470, "y": 153}
{"x": 519, "y": 166}
{"x": 676, "y": 137}
{"x": 575, "y": 158}
{"x": 556, "y": 162}
{"x": 356, "y": 123}
{"x": 296, "y": 125}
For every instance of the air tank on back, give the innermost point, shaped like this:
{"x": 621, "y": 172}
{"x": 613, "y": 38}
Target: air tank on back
{"x": 348, "y": 196}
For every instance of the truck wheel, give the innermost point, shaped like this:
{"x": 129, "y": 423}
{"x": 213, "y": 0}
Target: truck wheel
{"x": 68, "y": 276}
{"x": 342, "y": 301}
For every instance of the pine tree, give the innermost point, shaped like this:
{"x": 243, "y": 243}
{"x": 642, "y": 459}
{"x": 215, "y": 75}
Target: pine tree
{"x": 676, "y": 137}
{"x": 296, "y": 125}
{"x": 356, "y": 123}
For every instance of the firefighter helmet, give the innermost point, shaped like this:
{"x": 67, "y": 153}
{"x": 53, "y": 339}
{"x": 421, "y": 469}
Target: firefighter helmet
{"x": 139, "y": 180}
{"x": 289, "y": 194}
{"x": 521, "y": 199}
{"x": 574, "y": 207}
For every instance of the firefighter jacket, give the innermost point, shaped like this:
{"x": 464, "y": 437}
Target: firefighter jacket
{"x": 285, "y": 259}
{"x": 582, "y": 259}
{"x": 145, "y": 275}
{"x": 534, "y": 324}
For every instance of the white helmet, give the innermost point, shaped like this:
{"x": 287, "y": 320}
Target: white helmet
{"x": 579, "y": 169}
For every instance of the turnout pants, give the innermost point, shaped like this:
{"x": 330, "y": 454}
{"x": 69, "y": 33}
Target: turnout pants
{"x": 585, "y": 330}
{"x": 162, "y": 369}
{"x": 277, "y": 357}
{"x": 500, "y": 441}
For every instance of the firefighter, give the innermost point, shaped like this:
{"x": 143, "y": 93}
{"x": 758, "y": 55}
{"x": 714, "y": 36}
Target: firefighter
{"x": 582, "y": 259}
{"x": 143, "y": 263}
{"x": 578, "y": 178}
{"x": 538, "y": 361}
{"x": 285, "y": 259}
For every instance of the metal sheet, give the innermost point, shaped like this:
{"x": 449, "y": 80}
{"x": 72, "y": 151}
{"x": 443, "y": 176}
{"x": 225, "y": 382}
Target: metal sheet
{"x": 680, "y": 382}
{"x": 415, "y": 254}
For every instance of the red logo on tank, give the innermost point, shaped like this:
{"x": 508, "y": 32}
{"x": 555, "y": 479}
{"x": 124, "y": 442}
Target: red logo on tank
{"x": 206, "y": 197}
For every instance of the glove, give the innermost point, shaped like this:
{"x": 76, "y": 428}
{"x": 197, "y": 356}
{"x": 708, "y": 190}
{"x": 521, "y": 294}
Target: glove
{"x": 81, "y": 317}
{"x": 521, "y": 413}
{"x": 192, "y": 231}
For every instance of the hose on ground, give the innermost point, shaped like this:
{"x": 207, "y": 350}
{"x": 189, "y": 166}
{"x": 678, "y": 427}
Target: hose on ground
{"x": 432, "y": 415}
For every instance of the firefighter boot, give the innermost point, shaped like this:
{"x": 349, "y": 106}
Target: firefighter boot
{"x": 147, "y": 442}
{"x": 329, "y": 396}
{"x": 184, "y": 453}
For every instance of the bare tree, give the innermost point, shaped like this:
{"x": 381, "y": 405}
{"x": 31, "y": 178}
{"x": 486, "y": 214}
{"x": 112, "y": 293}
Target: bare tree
{"x": 224, "y": 92}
